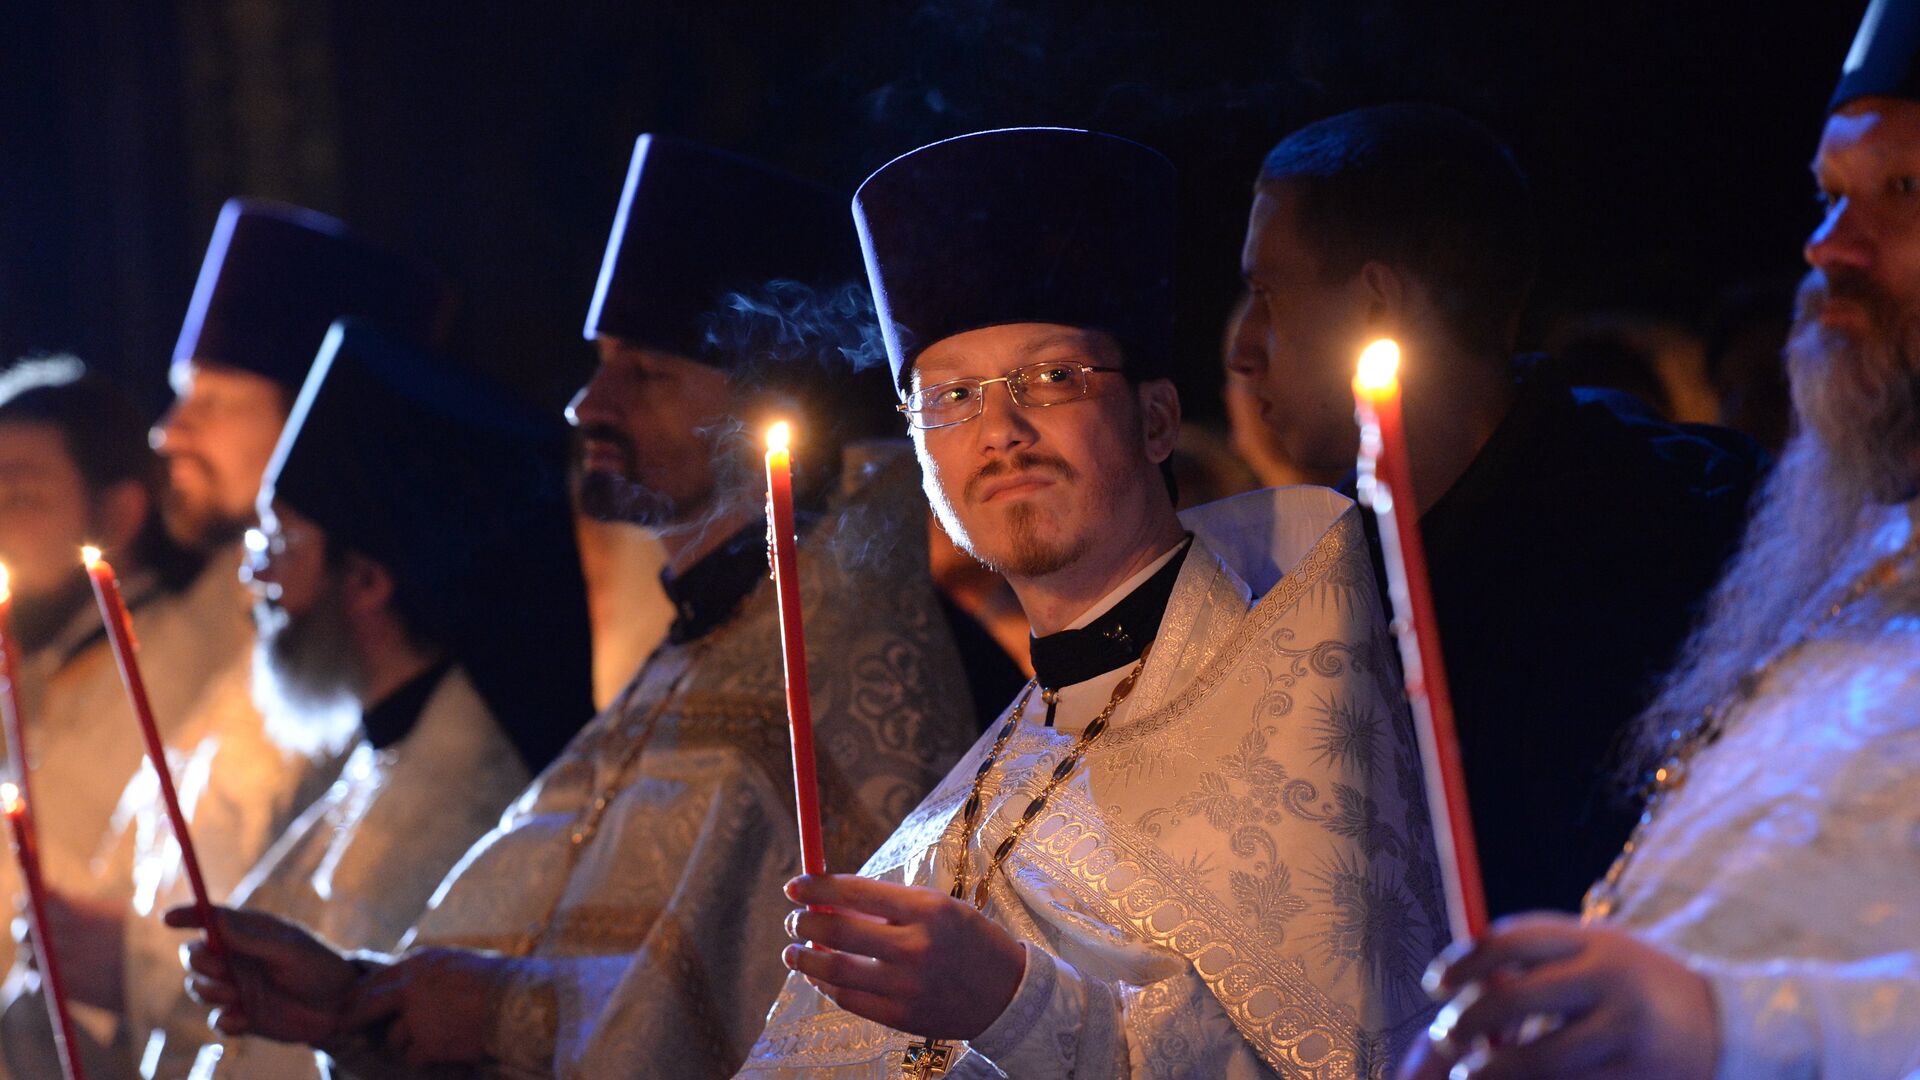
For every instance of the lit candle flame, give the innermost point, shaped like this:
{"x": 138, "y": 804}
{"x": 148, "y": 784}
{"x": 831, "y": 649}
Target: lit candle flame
{"x": 1379, "y": 370}
{"x": 778, "y": 436}
{"x": 10, "y": 797}
{"x": 6, "y": 584}
{"x": 90, "y": 555}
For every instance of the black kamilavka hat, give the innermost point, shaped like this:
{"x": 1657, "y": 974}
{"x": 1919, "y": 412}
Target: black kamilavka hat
{"x": 460, "y": 492}
{"x": 696, "y": 225}
{"x": 276, "y": 276}
{"x": 1050, "y": 225}
{"x": 1881, "y": 62}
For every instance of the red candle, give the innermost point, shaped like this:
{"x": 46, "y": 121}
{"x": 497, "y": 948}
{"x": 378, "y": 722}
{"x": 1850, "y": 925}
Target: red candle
{"x": 113, "y": 611}
{"x": 25, "y": 847}
{"x": 13, "y": 801}
{"x": 1386, "y": 485}
{"x": 793, "y": 645}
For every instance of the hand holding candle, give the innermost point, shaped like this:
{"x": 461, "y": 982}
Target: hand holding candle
{"x": 1386, "y": 485}
{"x": 793, "y": 645}
{"x": 113, "y": 611}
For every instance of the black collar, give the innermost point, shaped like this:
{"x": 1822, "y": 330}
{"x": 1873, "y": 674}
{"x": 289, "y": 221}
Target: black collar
{"x": 1115, "y": 639}
{"x": 393, "y": 717}
{"x": 711, "y": 590}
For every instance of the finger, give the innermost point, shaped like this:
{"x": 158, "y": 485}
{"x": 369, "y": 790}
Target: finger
{"x": 1423, "y": 1063}
{"x": 202, "y": 960}
{"x": 228, "y": 1021}
{"x": 379, "y": 997}
{"x": 864, "y": 937}
{"x": 1430, "y": 979}
{"x": 1446, "y": 1049}
{"x": 1586, "y": 1044}
{"x": 1516, "y": 941}
{"x": 400, "y": 1041}
{"x": 268, "y": 938}
{"x": 185, "y": 917}
{"x": 843, "y": 970}
{"x": 1558, "y": 990}
{"x": 886, "y": 899}
{"x": 208, "y": 992}
{"x": 878, "y": 1008}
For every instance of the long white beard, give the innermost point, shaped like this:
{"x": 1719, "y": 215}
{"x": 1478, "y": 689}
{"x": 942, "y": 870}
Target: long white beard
{"x": 1855, "y": 451}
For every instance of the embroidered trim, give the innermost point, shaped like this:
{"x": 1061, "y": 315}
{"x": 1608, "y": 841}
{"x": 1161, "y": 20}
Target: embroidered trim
{"x": 1341, "y": 538}
{"x": 1122, "y": 878}
{"x": 1029, "y": 1004}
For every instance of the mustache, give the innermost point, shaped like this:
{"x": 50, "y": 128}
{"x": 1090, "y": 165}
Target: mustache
{"x": 1821, "y": 287}
{"x": 1022, "y": 461}
{"x": 607, "y": 433}
{"x": 200, "y": 463}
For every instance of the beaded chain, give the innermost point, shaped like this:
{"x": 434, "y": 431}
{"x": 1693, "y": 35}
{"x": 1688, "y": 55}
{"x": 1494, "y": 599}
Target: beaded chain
{"x": 1686, "y": 744}
{"x": 586, "y": 823}
{"x": 930, "y": 1057}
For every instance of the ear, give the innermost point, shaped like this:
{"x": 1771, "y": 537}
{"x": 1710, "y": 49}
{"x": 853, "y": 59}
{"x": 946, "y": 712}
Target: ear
{"x": 119, "y": 513}
{"x": 366, "y": 585}
{"x": 1159, "y": 417}
{"x": 1386, "y": 293}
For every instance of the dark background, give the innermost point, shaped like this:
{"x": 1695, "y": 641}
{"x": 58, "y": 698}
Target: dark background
{"x": 1667, "y": 141}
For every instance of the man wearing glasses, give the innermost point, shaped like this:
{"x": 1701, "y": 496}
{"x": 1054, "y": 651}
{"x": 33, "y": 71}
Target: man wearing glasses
{"x": 624, "y": 919}
{"x": 1194, "y": 845}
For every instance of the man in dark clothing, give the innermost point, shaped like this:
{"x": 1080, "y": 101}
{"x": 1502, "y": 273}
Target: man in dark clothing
{"x": 1570, "y": 534}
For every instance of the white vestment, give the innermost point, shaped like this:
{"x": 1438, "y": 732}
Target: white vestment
{"x": 1787, "y": 868}
{"x": 636, "y": 886}
{"x": 1238, "y": 880}
{"x": 359, "y": 865}
{"x": 83, "y": 741}
{"x": 195, "y": 658}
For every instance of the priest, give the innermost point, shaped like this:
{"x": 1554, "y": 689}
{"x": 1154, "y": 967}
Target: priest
{"x": 379, "y": 575}
{"x": 274, "y": 278}
{"x": 1195, "y": 844}
{"x": 1761, "y": 924}
{"x": 625, "y": 917}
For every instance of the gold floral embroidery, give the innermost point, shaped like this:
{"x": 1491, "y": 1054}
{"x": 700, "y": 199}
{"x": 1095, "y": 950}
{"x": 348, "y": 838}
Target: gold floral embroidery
{"x": 1340, "y": 540}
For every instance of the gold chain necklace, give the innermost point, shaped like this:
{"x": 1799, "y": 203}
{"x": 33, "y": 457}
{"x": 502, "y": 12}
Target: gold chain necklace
{"x": 930, "y": 1057}
{"x": 586, "y": 823}
{"x": 1603, "y": 899}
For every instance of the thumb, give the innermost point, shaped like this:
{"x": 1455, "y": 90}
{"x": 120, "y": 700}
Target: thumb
{"x": 379, "y": 998}
{"x": 256, "y": 935}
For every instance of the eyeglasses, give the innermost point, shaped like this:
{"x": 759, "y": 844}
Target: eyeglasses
{"x": 1035, "y": 386}
{"x": 263, "y": 546}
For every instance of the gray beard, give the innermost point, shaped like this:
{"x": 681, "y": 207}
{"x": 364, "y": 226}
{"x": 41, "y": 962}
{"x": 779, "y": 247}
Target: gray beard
{"x": 1855, "y": 450}
{"x": 1861, "y": 397}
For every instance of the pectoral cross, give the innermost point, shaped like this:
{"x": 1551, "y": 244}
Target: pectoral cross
{"x": 926, "y": 1059}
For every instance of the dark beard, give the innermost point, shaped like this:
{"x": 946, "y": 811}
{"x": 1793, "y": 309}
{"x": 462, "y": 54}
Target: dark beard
{"x": 1026, "y": 555}
{"x": 609, "y": 496}
{"x": 312, "y": 655}
{"x": 200, "y": 528}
